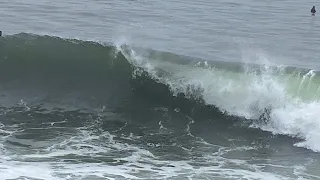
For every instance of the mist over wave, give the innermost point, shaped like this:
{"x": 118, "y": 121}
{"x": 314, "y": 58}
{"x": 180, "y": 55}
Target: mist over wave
{"x": 282, "y": 100}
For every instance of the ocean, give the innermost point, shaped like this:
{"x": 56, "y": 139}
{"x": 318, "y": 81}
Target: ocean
{"x": 137, "y": 89}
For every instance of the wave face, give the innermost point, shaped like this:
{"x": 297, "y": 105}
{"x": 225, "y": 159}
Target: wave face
{"x": 282, "y": 100}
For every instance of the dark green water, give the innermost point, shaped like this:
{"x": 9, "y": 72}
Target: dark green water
{"x": 72, "y": 109}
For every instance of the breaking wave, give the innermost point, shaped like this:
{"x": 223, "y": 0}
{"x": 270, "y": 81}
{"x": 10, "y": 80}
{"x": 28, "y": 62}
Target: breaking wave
{"x": 279, "y": 99}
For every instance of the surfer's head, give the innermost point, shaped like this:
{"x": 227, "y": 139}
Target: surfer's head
{"x": 313, "y": 10}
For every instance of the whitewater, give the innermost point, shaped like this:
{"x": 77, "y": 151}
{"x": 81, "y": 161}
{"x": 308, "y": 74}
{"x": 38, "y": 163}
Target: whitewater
{"x": 159, "y": 90}
{"x": 290, "y": 99}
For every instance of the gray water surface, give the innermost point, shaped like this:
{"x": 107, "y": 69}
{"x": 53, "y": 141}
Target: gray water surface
{"x": 283, "y": 32}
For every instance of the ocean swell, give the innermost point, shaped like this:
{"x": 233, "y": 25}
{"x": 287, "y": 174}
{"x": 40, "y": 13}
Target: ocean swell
{"x": 282, "y": 100}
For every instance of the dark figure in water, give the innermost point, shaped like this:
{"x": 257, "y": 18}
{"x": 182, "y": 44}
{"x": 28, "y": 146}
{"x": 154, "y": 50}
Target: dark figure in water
{"x": 0, "y": 33}
{"x": 313, "y": 10}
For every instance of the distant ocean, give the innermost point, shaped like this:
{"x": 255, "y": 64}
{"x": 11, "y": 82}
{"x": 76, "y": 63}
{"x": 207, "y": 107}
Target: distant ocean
{"x": 136, "y": 89}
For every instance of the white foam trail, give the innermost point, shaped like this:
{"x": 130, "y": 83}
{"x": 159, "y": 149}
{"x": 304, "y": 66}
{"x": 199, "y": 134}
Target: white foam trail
{"x": 131, "y": 161}
{"x": 139, "y": 164}
{"x": 294, "y": 111}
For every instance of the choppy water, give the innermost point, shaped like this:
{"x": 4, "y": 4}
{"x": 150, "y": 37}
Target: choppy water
{"x": 236, "y": 97}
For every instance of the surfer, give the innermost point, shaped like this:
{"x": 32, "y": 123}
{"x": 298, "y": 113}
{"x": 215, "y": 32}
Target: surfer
{"x": 0, "y": 33}
{"x": 313, "y": 10}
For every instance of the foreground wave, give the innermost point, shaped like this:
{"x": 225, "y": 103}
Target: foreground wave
{"x": 282, "y": 100}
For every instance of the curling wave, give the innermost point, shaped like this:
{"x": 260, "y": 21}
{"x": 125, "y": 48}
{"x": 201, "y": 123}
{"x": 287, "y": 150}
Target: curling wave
{"x": 282, "y": 100}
